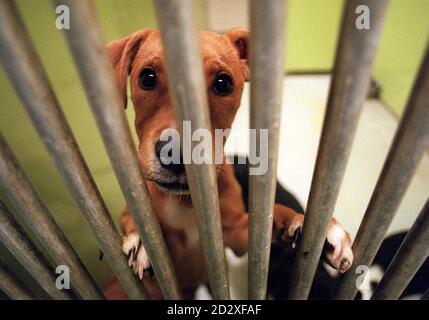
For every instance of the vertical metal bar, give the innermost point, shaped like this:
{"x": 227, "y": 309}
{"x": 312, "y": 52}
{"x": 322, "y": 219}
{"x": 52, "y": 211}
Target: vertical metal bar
{"x": 425, "y": 295}
{"x": 267, "y": 68}
{"x": 37, "y": 216}
{"x": 12, "y": 286}
{"x": 32, "y": 86}
{"x": 28, "y": 255}
{"x": 352, "y": 70}
{"x": 411, "y": 140}
{"x": 87, "y": 45}
{"x": 410, "y": 257}
{"x": 183, "y": 61}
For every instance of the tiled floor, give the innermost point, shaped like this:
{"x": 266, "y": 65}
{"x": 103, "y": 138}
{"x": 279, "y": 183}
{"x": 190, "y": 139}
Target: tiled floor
{"x": 303, "y": 109}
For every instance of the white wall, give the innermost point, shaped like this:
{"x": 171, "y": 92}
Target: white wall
{"x": 223, "y": 15}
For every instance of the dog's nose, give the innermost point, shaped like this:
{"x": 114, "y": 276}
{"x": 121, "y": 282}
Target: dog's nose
{"x": 173, "y": 166}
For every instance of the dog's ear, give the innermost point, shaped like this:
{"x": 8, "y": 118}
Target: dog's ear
{"x": 122, "y": 53}
{"x": 240, "y": 39}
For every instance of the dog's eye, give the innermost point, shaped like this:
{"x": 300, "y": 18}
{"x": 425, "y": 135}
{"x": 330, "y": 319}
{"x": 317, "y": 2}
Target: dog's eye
{"x": 147, "y": 79}
{"x": 223, "y": 85}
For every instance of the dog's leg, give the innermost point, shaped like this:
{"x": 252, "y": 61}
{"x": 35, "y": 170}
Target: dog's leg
{"x": 337, "y": 252}
{"x": 132, "y": 245}
{"x": 235, "y": 230}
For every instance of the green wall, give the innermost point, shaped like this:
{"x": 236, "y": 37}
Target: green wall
{"x": 312, "y": 34}
{"x": 406, "y": 34}
{"x": 312, "y": 30}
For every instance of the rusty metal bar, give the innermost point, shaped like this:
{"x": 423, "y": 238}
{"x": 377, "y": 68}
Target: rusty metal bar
{"x": 411, "y": 140}
{"x": 183, "y": 61}
{"x": 87, "y": 45}
{"x": 14, "y": 239}
{"x": 267, "y": 68}
{"x": 32, "y": 86}
{"x": 13, "y": 287}
{"x": 351, "y": 77}
{"x": 19, "y": 189}
{"x": 410, "y": 257}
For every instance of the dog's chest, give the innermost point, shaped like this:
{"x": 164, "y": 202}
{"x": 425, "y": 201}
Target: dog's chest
{"x": 182, "y": 218}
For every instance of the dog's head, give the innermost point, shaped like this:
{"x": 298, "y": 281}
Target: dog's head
{"x": 140, "y": 57}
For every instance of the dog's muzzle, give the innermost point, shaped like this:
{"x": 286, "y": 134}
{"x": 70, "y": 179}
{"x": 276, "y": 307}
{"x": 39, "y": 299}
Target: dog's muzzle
{"x": 176, "y": 169}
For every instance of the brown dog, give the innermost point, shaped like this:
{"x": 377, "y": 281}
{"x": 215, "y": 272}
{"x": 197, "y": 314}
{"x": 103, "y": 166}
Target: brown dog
{"x": 225, "y": 61}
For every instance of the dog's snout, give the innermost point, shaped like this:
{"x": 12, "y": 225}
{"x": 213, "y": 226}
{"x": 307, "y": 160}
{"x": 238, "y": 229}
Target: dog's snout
{"x": 166, "y": 158}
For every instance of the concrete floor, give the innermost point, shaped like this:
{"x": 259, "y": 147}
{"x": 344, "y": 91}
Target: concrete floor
{"x": 304, "y": 102}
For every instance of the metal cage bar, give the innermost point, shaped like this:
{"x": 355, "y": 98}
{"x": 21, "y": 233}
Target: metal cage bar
{"x": 425, "y": 295}
{"x": 32, "y": 86}
{"x": 13, "y": 287}
{"x": 267, "y": 68}
{"x": 183, "y": 64}
{"x": 17, "y": 242}
{"x": 411, "y": 140}
{"x": 410, "y": 257}
{"x": 355, "y": 54}
{"x": 87, "y": 45}
{"x": 19, "y": 189}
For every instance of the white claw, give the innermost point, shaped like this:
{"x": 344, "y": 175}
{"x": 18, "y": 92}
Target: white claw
{"x": 130, "y": 243}
{"x": 142, "y": 262}
{"x": 297, "y": 223}
{"x": 138, "y": 259}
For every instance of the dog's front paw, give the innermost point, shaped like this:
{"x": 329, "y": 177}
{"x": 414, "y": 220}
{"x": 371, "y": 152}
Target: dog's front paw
{"x": 293, "y": 233}
{"x": 338, "y": 249}
{"x": 138, "y": 259}
{"x": 290, "y": 232}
